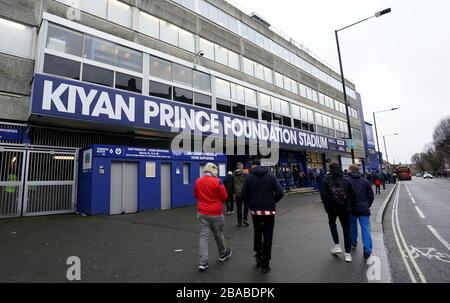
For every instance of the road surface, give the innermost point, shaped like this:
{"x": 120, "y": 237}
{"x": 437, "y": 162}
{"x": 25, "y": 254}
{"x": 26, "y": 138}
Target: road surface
{"x": 417, "y": 231}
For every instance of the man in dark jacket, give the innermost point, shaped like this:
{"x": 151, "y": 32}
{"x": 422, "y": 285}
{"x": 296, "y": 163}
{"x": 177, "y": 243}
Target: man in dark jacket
{"x": 238, "y": 182}
{"x": 338, "y": 197}
{"x": 261, "y": 191}
{"x": 361, "y": 209}
{"x": 228, "y": 182}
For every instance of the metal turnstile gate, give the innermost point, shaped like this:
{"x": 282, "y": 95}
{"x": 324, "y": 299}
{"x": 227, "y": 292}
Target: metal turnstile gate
{"x": 37, "y": 181}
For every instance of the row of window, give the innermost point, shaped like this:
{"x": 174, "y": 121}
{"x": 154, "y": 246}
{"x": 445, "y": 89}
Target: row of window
{"x": 90, "y": 73}
{"x": 121, "y": 13}
{"x": 263, "y": 73}
{"x": 112, "y": 10}
{"x": 229, "y": 90}
{"x": 74, "y": 43}
{"x": 272, "y": 109}
{"x": 103, "y": 51}
{"x": 302, "y": 117}
{"x": 218, "y": 16}
{"x": 78, "y": 44}
{"x": 181, "y": 74}
{"x": 353, "y": 113}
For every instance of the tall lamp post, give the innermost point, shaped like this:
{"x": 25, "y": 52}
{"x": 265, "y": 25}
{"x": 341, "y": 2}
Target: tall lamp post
{"x": 376, "y": 133}
{"x": 385, "y": 148}
{"x": 377, "y": 14}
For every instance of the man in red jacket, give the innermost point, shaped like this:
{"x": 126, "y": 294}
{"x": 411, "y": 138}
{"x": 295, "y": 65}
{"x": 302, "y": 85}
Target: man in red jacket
{"x": 211, "y": 193}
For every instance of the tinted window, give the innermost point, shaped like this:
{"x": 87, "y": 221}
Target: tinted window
{"x": 128, "y": 58}
{"x": 182, "y": 95}
{"x": 127, "y": 82}
{"x": 287, "y": 121}
{"x": 160, "y": 68}
{"x": 202, "y": 100}
{"x": 252, "y": 112}
{"x": 98, "y": 75}
{"x": 64, "y": 40}
{"x": 305, "y": 126}
{"x": 202, "y": 81}
{"x": 62, "y": 67}
{"x": 99, "y": 50}
{"x": 297, "y": 124}
{"x": 181, "y": 74}
{"x": 223, "y": 105}
{"x": 277, "y": 118}
{"x": 238, "y": 109}
{"x": 266, "y": 116}
{"x": 160, "y": 90}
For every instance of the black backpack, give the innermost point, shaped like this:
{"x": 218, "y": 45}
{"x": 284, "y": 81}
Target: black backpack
{"x": 337, "y": 191}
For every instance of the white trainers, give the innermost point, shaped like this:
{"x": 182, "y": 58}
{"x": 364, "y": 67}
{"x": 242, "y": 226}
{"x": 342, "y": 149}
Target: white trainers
{"x": 336, "y": 250}
{"x": 347, "y": 257}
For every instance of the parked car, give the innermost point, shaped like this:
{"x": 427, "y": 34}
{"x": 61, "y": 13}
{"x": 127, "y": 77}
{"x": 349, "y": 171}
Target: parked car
{"x": 418, "y": 175}
{"x": 427, "y": 176}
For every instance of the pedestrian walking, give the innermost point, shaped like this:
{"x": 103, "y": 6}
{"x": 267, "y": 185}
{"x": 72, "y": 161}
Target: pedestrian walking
{"x": 377, "y": 182}
{"x": 261, "y": 192}
{"x": 383, "y": 179}
{"x": 238, "y": 182}
{"x": 211, "y": 193}
{"x": 338, "y": 197}
{"x": 228, "y": 182}
{"x": 289, "y": 180}
{"x": 296, "y": 176}
{"x": 361, "y": 209}
{"x": 301, "y": 178}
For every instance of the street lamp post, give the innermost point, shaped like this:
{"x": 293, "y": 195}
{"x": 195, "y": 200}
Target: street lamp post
{"x": 376, "y": 134}
{"x": 377, "y": 14}
{"x": 385, "y": 148}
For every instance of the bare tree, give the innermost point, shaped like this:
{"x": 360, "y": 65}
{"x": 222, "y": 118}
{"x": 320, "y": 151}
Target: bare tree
{"x": 441, "y": 137}
{"x": 418, "y": 162}
{"x": 433, "y": 160}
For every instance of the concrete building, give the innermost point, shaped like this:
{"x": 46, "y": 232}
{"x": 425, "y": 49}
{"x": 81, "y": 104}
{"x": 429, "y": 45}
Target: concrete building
{"x": 109, "y": 79}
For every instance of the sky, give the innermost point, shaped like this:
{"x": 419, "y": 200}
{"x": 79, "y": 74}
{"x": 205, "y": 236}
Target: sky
{"x": 401, "y": 59}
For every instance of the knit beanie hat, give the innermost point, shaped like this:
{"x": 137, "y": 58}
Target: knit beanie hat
{"x": 212, "y": 168}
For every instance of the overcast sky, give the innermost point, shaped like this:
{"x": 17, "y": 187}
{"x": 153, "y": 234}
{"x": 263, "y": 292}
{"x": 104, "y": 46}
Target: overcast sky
{"x": 401, "y": 59}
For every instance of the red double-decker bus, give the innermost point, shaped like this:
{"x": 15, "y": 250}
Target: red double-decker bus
{"x": 404, "y": 173}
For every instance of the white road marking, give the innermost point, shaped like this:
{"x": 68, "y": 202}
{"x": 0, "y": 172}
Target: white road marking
{"x": 413, "y": 201}
{"x": 405, "y": 246}
{"x": 438, "y": 236}
{"x": 408, "y": 268}
{"x": 420, "y": 212}
{"x": 429, "y": 253}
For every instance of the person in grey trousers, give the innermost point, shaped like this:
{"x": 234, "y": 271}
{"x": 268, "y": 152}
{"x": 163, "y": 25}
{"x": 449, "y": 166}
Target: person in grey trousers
{"x": 211, "y": 194}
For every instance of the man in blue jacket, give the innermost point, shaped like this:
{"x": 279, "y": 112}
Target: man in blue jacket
{"x": 361, "y": 209}
{"x": 261, "y": 191}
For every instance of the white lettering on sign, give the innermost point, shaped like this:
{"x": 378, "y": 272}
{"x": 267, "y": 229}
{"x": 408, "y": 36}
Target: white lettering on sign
{"x": 103, "y": 105}
{"x": 82, "y": 101}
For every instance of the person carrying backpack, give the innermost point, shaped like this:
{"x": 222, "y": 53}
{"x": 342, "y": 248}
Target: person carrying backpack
{"x": 338, "y": 198}
{"x": 238, "y": 182}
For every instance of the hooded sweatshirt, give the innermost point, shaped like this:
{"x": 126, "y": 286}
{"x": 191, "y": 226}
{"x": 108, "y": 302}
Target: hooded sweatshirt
{"x": 336, "y": 175}
{"x": 261, "y": 190}
{"x": 364, "y": 195}
{"x": 238, "y": 182}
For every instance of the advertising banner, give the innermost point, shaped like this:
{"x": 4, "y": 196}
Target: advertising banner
{"x": 58, "y": 97}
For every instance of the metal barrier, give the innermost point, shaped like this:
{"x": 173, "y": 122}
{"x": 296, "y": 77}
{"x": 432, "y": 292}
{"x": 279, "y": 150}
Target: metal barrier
{"x": 37, "y": 181}
{"x": 12, "y": 170}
